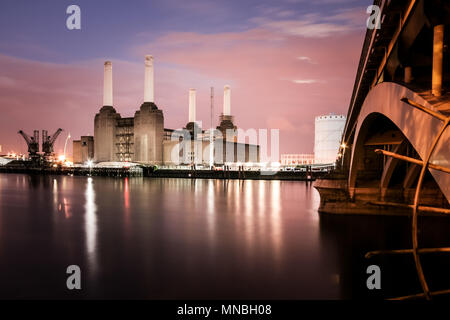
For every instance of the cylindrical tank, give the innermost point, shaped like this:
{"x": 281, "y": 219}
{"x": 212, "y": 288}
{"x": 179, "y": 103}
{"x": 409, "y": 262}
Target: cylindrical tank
{"x": 327, "y": 139}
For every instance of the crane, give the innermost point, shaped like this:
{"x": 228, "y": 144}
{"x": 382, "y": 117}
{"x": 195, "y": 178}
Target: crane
{"x": 32, "y": 143}
{"x": 49, "y": 141}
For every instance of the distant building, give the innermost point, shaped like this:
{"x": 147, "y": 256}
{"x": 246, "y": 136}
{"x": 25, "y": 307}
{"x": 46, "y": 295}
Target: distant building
{"x": 327, "y": 139}
{"x": 83, "y": 149}
{"x": 297, "y": 159}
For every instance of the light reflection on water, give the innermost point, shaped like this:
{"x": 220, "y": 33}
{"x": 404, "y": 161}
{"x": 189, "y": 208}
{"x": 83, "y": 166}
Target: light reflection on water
{"x": 167, "y": 237}
{"x": 181, "y": 238}
{"x": 90, "y": 218}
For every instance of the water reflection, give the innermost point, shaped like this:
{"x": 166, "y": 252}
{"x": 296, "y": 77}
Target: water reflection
{"x": 275, "y": 220}
{"x": 247, "y": 194}
{"x": 55, "y": 194}
{"x": 126, "y": 194}
{"x": 90, "y": 220}
{"x": 61, "y": 204}
{"x": 182, "y": 238}
{"x": 166, "y": 238}
{"x": 211, "y": 212}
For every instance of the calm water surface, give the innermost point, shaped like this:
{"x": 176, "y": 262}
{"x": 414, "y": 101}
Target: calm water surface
{"x": 209, "y": 239}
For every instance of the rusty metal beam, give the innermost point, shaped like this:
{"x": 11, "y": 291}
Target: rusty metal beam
{"x": 412, "y": 160}
{"x": 422, "y": 295}
{"x": 424, "y": 109}
{"x": 389, "y": 168}
{"x": 371, "y": 254}
{"x": 403, "y": 205}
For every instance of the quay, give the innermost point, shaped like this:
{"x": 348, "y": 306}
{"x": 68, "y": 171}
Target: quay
{"x": 153, "y": 172}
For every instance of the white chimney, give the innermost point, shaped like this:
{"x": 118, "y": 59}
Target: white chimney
{"x": 227, "y": 101}
{"x": 107, "y": 84}
{"x": 192, "y": 105}
{"x": 149, "y": 95}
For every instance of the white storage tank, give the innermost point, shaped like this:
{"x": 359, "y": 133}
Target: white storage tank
{"x": 327, "y": 139}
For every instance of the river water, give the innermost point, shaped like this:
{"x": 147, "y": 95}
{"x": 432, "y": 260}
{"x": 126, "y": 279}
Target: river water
{"x": 142, "y": 238}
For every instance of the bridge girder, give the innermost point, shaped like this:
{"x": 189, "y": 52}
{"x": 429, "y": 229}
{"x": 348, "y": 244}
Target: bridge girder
{"x": 418, "y": 127}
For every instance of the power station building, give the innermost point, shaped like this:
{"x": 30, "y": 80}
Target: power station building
{"x": 144, "y": 139}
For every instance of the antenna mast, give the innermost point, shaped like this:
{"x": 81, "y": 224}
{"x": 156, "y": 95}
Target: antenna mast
{"x": 211, "y": 132}
{"x": 212, "y": 106}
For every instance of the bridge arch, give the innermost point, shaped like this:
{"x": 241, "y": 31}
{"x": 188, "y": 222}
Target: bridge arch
{"x": 418, "y": 127}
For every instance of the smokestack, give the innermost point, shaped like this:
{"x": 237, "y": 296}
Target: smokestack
{"x": 192, "y": 105}
{"x": 149, "y": 95}
{"x": 107, "y": 84}
{"x": 227, "y": 101}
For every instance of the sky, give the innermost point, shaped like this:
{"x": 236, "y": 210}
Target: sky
{"x": 287, "y": 61}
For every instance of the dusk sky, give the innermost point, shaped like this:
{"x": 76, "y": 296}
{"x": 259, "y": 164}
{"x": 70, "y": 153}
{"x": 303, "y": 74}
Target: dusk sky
{"x": 286, "y": 61}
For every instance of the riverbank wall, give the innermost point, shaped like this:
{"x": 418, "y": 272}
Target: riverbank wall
{"x": 150, "y": 172}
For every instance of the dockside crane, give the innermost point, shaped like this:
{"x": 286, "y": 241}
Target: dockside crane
{"x": 48, "y": 142}
{"x": 32, "y": 143}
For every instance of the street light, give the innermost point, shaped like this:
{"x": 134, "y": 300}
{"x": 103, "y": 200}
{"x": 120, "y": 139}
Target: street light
{"x": 90, "y": 163}
{"x": 343, "y": 146}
